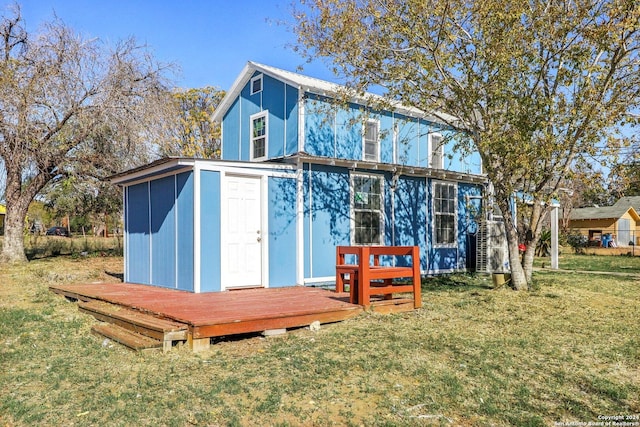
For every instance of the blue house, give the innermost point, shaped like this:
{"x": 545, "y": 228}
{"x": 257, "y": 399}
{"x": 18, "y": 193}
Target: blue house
{"x": 299, "y": 175}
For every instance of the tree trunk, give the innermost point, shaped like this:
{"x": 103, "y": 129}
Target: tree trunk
{"x": 18, "y": 198}
{"x": 13, "y": 248}
{"x": 527, "y": 261}
{"x": 519, "y": 280}
{"x": 518, "y": 277}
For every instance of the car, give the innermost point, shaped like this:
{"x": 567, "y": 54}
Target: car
{"x": 58, "y": 231}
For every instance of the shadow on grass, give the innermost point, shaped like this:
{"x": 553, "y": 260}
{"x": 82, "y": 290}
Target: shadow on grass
{"x": 119, "y": 276}
{"x": 457, "y": 281}
{"x": 39, "y": 254}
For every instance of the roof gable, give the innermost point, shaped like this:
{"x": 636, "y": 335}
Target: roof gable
{"x": 629, "y": 201}
{"x": 311, "y": 85}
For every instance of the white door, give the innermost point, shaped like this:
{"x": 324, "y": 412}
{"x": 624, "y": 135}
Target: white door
{"x": 243, "y": 233}
{"x": 624, "y": 232}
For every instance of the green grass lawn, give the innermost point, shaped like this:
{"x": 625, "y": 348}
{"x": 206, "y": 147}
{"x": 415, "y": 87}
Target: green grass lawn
{"x": 473, "y": 356}
{"x": 609, "y": 263}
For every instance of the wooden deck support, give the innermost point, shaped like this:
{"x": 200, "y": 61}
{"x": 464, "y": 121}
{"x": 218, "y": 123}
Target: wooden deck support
{"x": 198, "y": 344}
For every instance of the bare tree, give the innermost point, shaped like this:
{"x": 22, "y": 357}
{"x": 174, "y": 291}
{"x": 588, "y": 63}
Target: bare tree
{"x": 69, "y": 106}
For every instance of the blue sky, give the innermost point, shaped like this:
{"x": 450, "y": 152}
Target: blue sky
{"x": 210, "y": 41}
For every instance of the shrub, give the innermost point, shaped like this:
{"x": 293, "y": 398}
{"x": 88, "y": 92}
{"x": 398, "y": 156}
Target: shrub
{"x": 577, "y": 241}
{"x": 543, "y": 248}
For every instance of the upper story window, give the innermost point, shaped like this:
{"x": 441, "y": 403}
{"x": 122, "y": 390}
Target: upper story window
{"x": 259, "y": 135}
{"x": 256, "y": 84}
{"x": 444, "y": 213}
{"x": 370, "y": 141}
{"x": 366, "y": 209}
{"x": 436, "y": 142}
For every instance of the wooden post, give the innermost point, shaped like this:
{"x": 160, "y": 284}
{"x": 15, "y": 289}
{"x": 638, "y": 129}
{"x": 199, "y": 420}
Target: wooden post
{"x": 198, "y": 344}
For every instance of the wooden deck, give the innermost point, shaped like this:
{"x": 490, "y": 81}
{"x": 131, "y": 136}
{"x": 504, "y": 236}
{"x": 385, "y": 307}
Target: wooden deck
{"x": 217, "y": 314}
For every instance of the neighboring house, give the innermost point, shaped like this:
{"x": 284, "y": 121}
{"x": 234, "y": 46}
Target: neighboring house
{"x": 618, "y": 224}
{"x": 299, "y": 176}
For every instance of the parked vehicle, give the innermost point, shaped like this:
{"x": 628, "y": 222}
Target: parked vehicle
{"x": 58, "y": 231}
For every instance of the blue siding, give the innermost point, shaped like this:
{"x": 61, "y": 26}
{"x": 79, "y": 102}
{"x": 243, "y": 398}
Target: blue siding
{"x": 407, "y": 143}
{"x": 184, "y": 186}
{"x": 274, "y": 101}
{"x": 282, "y": 231}
{"x": 138, "y": 233}
{"x": 423, "y": 144}
{"x": 319, "y": 128}
{"x": 443, "y": 259}
{"x": 163, "y": 232}
{"x": 231, "y": 132}
{"x": 327, "y": 223}
{"x": 348, "y": 135}
{"x": 250, "y": 104}
{"x": 461, "y": 161}
{"x": 331, "y": 131}
{"x": 291, "y": 115}
{"x": 408, "y": 227}
{"x": 281, "y": 101}
{"x": 386, "y": 138}
{"x": 210, "y": 276}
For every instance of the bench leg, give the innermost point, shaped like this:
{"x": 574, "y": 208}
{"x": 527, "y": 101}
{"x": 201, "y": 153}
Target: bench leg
{"x": 339, "y": 283}
{"x": 417, "y": 285}
{"x": 364, "y": 292}
{"x": 353, "y": 288}
{"x": 388, "y": 282}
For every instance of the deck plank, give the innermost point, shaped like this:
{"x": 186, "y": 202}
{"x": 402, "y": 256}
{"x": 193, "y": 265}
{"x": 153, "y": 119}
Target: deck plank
{"x": 224, "y": 313}
{"x": 128, "y": 338}
{"x": 135, "y": 320}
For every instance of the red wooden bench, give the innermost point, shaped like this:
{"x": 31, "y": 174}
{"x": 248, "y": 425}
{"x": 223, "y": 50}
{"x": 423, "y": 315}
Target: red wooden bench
{"x": 366, "y": 278}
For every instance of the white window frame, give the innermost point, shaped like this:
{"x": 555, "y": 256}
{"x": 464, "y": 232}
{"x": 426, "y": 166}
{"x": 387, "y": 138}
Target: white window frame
{"x": 433, "y": 149}
{"x": 263, "y": 114}
{"x": 377, "y": 141}
{"x": 253, "y": 80}
{"x": 437, "y": 244}
{"x": 353, "y": 207}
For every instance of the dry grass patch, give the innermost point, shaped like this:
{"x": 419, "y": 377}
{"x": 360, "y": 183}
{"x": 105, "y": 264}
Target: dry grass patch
{"x": 471, "y": 356}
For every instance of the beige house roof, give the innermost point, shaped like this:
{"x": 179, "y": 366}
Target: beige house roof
{"x": 629, "y": 201}
{"x": 605, "y": 212}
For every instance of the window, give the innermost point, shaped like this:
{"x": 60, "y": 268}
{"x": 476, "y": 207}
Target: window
{"x": 437, "y": 150}
{"x": 256, "y": 84}
{"x": 444, "y": 214}
{"x": 370, "y": 145}
{"x": 366, "y": 199}
{"x": 259, "y": 135}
